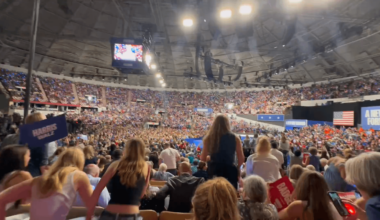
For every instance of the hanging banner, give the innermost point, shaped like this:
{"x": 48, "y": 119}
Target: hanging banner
{"x": 371, "y": 118}
{"x": 270, "y": 117}
{"x": 204, "y": 110}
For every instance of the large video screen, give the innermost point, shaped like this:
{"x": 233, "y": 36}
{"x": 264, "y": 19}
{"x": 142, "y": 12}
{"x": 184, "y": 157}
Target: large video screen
{"x": 128, "y": 52}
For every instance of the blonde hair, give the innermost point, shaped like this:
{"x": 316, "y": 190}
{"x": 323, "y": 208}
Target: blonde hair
{"x": 132, "y": 163}
{"x": 89, "y": 152}
{"x": 34, "y": 117}
{"x": 68, "y": 161}
{"x": 162, "y": 167}
{"x": 215, "y": 200}
{"x": 310, "y": 167}
{"x": 219, "y": 127}
{"x": 263, "y": 146}
{"x": 363, "y": 171}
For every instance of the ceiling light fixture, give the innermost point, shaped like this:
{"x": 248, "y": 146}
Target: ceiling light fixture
{"x": 153, "y": 66}
{"x": 187, "y": 22}
{"x": 158, "y": 75}
{"x": 245, "y": 9}
{"x": 163, "y": 85}
{"x": 226, "y": 13}
{"x": 161, "y": 81}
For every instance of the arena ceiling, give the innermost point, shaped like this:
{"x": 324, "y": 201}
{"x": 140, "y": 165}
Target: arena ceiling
{"x": 277, "y": 44}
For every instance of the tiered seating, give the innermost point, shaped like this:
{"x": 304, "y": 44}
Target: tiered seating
{"x": 92, "y": 90}
{"x": 58, "y": 90}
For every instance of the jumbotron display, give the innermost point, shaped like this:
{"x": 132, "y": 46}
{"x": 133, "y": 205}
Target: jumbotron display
{"x": 128, "y": 52}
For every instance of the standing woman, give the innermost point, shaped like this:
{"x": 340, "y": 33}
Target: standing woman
{"x": 53, "y": 194}
{"x": 128, "y": 179}
{"x": 222, "y": 146}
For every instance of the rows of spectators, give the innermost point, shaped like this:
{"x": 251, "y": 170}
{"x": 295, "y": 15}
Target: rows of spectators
{"x": 117, "y": 166}
{"x": 243, "y": 102}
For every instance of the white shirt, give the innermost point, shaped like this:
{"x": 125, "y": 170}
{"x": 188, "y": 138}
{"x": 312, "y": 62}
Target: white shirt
{"x": 169, "y": 157}
{"x": 265, "y": 166}
{"x": 279, "y": 155}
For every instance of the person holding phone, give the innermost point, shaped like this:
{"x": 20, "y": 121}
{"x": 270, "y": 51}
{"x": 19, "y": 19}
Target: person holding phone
{"x": 363, "y": 171}
{"x": 311, "y": 200}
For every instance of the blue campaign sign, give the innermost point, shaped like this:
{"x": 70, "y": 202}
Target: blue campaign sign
{"x": 371, "y": 118}
{"x": 205, "y": 110}
{"x": 270, "y": 117}
{"x": 296, "y": 123}
{"x": 42, "y": 132}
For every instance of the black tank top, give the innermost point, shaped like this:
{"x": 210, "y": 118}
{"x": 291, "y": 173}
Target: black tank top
{"x": 123, "y": 195}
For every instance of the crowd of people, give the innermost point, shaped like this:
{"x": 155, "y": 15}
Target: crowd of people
{"x": 243, "y": 102}
{"x": 117, "y": 166}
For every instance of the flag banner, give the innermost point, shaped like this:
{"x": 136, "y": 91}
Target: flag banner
{"x": 344, "y": 118}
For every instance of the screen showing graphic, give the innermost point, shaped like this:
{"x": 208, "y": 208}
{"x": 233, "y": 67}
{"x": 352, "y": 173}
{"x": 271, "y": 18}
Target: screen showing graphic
{"x": 128, "y": 52}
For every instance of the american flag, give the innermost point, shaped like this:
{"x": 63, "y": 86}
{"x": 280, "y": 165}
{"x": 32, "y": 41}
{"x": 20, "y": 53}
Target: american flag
{"x": 344, "y": 118}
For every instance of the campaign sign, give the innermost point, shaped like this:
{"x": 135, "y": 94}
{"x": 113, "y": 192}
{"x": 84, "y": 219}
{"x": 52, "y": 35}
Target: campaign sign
{"x": 347, "y": 195}
{"x": 305, "y": 156}
{"x": 205, "y": 110}
{"x": 270, "y": 117}
{"x": 42, "y": 132}
{"x": 296, "y": 123}
{"x": 281, "y": 193}
{"x": 371, "y": 118}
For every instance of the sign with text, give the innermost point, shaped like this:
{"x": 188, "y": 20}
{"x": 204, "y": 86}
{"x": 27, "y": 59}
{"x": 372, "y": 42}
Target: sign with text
{"x": 371, "y": 118}
{"x": 270, "y": 117}
{"x": 296, "y": 123}
{"x": 43, "y": 132}
{"x": 305, "y": 156}
{"x": 281, "y": 193}
{"x": 204, "y": 110}
{"x": 347, "y": 195}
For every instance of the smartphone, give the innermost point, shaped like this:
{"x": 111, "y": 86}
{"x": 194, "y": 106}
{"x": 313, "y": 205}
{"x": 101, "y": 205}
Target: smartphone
{"x": 338, "y": 203}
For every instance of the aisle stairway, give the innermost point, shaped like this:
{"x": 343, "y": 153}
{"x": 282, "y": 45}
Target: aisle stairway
{"x": 44, "y": 97}
{"x": 104, "y": 99}
{"x": 75, "y": 93}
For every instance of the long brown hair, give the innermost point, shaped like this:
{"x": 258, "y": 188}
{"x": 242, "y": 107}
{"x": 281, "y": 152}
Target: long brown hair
{"x": 216, "y": 199}
{"x": 219, "y": 127}
{"x": 131, "y": 166}
{"x": 89, "y": 152}
{"x": 68, "y": 161}
{"x": 311, "y": 187}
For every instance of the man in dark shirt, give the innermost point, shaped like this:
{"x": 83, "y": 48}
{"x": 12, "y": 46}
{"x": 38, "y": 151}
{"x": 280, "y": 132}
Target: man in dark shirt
{"x": 180, "y": 189}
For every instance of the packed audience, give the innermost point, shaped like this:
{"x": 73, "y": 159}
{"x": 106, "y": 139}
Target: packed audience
{"x": 118, "y": 169}
{"x": 58, "y": 90}
{"x": 243, "y": 102}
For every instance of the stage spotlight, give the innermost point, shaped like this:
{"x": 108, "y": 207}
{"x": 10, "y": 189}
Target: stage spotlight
{"x": 158, "y": 75}
{"x": 245, "y": 9}
{"x": 295, "y": 1}
{"x": 153, "y": 66}
{"x": 225, "y": 13}
{"x": 161, "y": 81}
{"x": 148, "y": 58}
{"x": 187, "y": 22}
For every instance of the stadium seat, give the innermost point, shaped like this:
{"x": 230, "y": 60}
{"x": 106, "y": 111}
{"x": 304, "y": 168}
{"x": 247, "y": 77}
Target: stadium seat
{"x": 76, "y": 212}
{"x": 158, "y": 184}
{"x": 175, "y": 216}
{"x": 149, "y": 214}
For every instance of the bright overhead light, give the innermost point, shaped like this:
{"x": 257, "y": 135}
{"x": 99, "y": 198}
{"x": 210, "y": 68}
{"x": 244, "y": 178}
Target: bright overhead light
{"x": 295, "y": 1}
{"x": 245, "y": 9}
{"x": 226, "y": 13}
{"x": 163, "y": 85}
{"x": 187, "y": 22}
{"x": 153, "y": 66}
{"x": 158, "y": 75}
{"x": 148, "y": 59}
{"x": 161, "y": 81}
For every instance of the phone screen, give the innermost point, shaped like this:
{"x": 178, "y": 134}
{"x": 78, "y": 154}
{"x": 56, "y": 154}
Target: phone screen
{"x": 338, "y": 203}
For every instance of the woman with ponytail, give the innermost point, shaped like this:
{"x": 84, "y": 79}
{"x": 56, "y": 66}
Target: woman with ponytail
{"x": 127, "y": 181}
{"x": 52, "y": 195}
